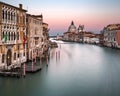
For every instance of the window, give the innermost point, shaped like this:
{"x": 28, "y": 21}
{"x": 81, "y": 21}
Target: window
{"x": 9, "y": 36}
{"x": 3, "y": 34}
{"x": 17, "y": 18}
{"x": 41, "y": 39}
{"x": 114, "y": 39}
{"x": 14, "y": 36}
{"x": 24, "y": 53}
{"x": 18, "y": 55}
{"x": 14, "y": 56}
{"x": 3, "y": 14}
{"x": 3, "y": 58}
{"x": 8, "y": 15}
{"x": 14, "y": 17}
{"x": 17, "y": 35}
{"x": 11, "y": 16}
{"x": 18, "y": 47}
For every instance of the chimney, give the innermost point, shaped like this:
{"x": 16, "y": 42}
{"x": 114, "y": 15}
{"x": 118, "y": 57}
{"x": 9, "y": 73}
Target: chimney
{"x": 20, "y": 6}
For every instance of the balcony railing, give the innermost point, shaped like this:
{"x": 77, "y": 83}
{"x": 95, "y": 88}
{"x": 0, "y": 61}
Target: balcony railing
{"x": 8, "y": 43}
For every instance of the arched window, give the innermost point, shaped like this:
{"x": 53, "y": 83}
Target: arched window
{"x": 14, "y": 17}
{"x": 3, "y": 35}
{"x": 3, "y": 14}
{"x": 14, "y": 36}
{"x": 14, "y": 56}
{"x": 17, "y": 35}
{"x": 8, "y": 15}
{"x": 11, "y": 16}
{"x": 9, "y": 36}
{"x": 3, "y": 58}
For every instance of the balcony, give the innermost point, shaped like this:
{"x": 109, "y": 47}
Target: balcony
{"x": 9, "y": 43}
{"x": 33, "y": 35}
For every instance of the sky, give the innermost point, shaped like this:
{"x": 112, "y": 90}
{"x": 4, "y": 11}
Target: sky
{"x": 93, "y": 14}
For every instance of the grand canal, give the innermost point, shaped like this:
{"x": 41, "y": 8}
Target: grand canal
{"x": 74, "y": 70}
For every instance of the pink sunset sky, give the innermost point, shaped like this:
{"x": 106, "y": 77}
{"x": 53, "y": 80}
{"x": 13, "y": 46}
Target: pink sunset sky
{"x": 93, "y": 14}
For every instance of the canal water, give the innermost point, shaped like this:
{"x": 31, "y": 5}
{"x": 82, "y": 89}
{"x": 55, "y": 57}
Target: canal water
{"x": 74, "y": 70}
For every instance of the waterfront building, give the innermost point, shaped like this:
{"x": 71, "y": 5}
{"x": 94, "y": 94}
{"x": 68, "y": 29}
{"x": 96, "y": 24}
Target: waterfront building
{"x": 35, "y": 35}
{"x": 12, "y": 35}
{"x": 80, "y": 35}
{"x": 73, "y": 33}
{"x": 91, "y": 38}
{"x": 111, "y": 35}
{"x": 46, "y": 43}
{"x": 22, "y": 36}
{"x": 72, "y": 28}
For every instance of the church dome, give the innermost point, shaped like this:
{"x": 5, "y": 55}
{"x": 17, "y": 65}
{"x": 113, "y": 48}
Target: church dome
{"x": 72, "y": 27}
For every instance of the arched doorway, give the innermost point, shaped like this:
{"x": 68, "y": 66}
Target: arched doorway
{"x": 8, "y": 57}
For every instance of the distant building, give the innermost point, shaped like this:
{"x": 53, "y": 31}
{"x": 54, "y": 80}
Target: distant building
{"x": 80, "y": 35}
{"x": 91, "y": 38}
{"x": 73, "y": 34}
{"x": 12, "y": 33}
{"x": 72, "y": 28}
{"x": 111, "y": 35}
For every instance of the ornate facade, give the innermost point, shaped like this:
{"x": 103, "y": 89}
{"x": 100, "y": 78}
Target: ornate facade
{"x": 12, "y": 33}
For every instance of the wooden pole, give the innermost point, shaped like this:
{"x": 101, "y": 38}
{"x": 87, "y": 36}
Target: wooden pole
{"x": 47, "y": 60}
{"x": 32, "y": 65}
{"x": 59, "y": 54}
{"x": 24, "y": 72}
{"x": 56, "y": 56}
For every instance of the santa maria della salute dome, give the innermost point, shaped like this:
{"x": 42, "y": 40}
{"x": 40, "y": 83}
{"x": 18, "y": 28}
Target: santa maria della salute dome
{"x": 72, "y": 27}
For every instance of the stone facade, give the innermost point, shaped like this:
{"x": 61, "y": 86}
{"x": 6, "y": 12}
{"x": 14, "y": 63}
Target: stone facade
{"x": 12, "y": 32}
{"x": 111, "y": 35}
{"x": 45, "y": 37}
{"x": 22, "y": 36}
{"x": 35, "y": 35}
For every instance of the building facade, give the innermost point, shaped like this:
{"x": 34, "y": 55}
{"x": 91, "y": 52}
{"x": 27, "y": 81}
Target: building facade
{"x": 22, "y": 36}
{"x": 12, "y": 33}
{"x": 80, "y": 35}
{"x": 45, "y": 37}
{"x": 73, "y": 34}
{"x": 111, "y": 34}
{"x": 35, "y": 36}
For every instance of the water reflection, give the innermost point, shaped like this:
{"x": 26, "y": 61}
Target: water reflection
{"x": 78, "y": 70}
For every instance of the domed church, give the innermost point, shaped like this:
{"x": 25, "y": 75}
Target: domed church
{"x": 72, "y": 27}
{"x": 73, "y": 33}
